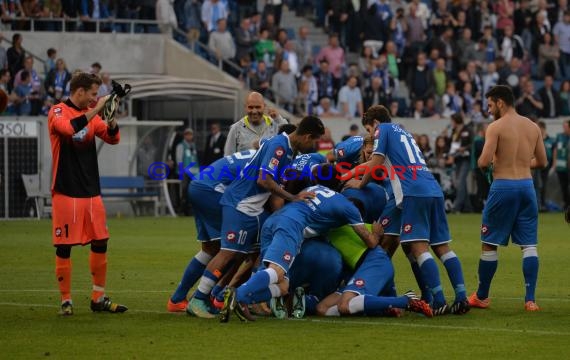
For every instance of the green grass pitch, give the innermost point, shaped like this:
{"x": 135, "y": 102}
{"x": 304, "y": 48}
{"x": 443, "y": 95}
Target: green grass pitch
{"x": 147, "y": 257}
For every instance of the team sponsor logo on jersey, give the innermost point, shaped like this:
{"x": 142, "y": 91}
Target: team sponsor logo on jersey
{"x": 58, "y": 232}
{"x": 273, "y": 163}
{"x": 407, "y": 228}
{"x": 287, "y": 257}
{"x": 57, "y": 111}
{"x": 279, "y": 152}
{"x": 385, "y": 221}
{"x": 359, "y": 283}
{"x": 231, "y": 236}
{"x": 80, "y": 135}
{"x": 484, "y": 229}
{"x": 341, "y": 152}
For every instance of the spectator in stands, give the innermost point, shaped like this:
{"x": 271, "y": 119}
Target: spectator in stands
{"x": 354, "y": 130}
{"x": 548, "y": 146}
{"x": 375, "y": 94}
{"x": 212, "y": 11}
{"x": 192, "y": 14}
{"x": 548, "y": 56}
{"x": 312, "y": 93}
{"x": 3, "y": 55}
{"x": 106, "y": 86}
{"x": 423, "y": 144}
{"x": 480, "y": 177}
{"x": 221, "y": 42}
{"x": 460, "y": 150}
{"x": 35, "y": 83}
{"x": 90, "y": 11}
{"x": 366, "y": 60}
{"x": 430, "y": 108}
{"x": 215, "y": 143}
{"x": 562, "y": 38}
{"x": 395, "y": 109}
{"x": 334, "y": 55}
{"x": 261, "y": 80}
{"x": 56, "y": 81}
{"x": 255, "y": 27}
{"x": 186, "y": 154}
{"x": 96, "y": 68}
{"x": 565, "y": 97}
{"x": 477, "y": 53}
{"x": 284, "y": 87}
{"x": 341, "y": 14}
{"x": 416, "y": 25}
{"x": 289, "y": 53}
{"x": 165, "y": 16}
{"x": 511, "y": 75}
{"x": 304, "y": 46}
{"x": 265, "y": 49}
{"x": 326, "y": 84}
{"x": 269, "y": 23}
{"x": 420, "y": 112}
{"x": 550, "y": 99}
{"x": 392, "y": 60}
{"x": 25, "y": 94}
{"x": 439, "y": 77}
{"x": 50, "y": 61}
{"x": 512, "y": 45}
{"x": 52, "y": 9}
{"x": 274, "y": 7}
{"x": 16, "y": 56}
{"x": 11, "y": 9}
{"x": 492, "y": 47}
{"x": 350, "y": 99}
{"x": 529, "y": 103}
{"x": 245, "y": 39}
{"x": 420, "y": 81}
{"x": 12, "y": 97}
{"x": 325, "y": 109}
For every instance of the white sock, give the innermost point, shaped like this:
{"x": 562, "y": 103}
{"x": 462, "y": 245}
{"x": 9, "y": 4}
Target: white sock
{"x": 356, "y": 304}
{"x": 332, "y": 311}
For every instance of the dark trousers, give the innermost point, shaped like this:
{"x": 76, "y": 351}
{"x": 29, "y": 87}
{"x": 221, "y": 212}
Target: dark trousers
{"x": 563, "y": 179}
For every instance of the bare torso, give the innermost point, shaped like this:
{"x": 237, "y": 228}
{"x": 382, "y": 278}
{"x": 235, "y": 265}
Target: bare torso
{"x": 516, "y": 146}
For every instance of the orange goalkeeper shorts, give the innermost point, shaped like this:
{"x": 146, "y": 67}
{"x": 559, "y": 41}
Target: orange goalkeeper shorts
{"x": 78, "y": 221}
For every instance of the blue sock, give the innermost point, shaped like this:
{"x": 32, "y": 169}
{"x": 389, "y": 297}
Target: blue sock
{"x": 192, "y": 273}
{"x": 426, "y": 293}
{"x": 258, "y": 282}
{"x": 487, "y": 268}
{"x": 207, "y": 283}
{"x": 311, "y": 302}
{"x": 257, "y": 297}
{"x": 218, "y": 292}
{"x": 455, "y": 273}
{"x": 430, "y": 275}
{"x": 530, "y": 271}
{"x": 376, "y": 305}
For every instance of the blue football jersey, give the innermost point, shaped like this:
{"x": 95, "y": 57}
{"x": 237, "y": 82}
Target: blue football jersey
{"x": 374, "y": 199}
{"x": 349, "y": 150}
{"x": 405, "y": 162}
{"x": 327, "y": 210}
{"x": 223, "y": 171}
{"x": 307, "y": 161}
{"x": 272, "y": 158}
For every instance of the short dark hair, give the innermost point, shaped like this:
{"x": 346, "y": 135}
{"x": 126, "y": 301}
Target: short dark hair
{"x": 287, "y": 129}
{"x": 3, "y": 72}
{"x": 294, "y": 181}
{"x": 457, "y": 118}
{"x": 359, "y": 205}
{"x": 501, "y": 92}
{"x": 51, "y": 51}
{"x": 24, "y": 75}
{"x": 376, "y": 112}
{"x": 311, "y": 125}
{"x": 97, "y": 65}
{"x": 83, "y": 80}
{"x": 327, "y": 175}
{"x": 541, "y": 124}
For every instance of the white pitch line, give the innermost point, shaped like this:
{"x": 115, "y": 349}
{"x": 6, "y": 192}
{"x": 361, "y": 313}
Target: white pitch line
{"x": 373, "y": 323}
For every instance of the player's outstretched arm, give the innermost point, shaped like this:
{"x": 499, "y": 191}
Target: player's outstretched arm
{"x": 265, "y": 180}
{"x": 490, "y": 147}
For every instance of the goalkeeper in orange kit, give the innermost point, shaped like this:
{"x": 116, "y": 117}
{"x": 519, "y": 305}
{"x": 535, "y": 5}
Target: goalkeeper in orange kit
{"x": 78, "y": 215}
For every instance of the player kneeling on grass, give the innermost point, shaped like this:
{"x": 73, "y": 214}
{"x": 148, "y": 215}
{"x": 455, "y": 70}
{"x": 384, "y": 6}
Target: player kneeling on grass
{"x": 283, "y": 235}
{"x": 78, "y": 212}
